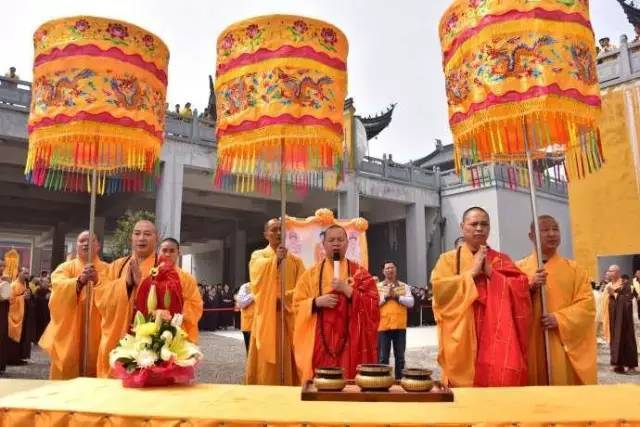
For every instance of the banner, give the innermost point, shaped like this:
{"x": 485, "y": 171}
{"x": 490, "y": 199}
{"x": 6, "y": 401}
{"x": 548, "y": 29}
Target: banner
{"x": 304, "y": 237}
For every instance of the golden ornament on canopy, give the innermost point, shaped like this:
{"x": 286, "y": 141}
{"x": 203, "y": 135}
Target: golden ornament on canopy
{"x": 280, "y": 87}
{"x": 98, "y": 103}
{"x": 522, "y": 73}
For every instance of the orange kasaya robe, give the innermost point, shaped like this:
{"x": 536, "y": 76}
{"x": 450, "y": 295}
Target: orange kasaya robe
{"x": 572, "y": 345}
{"x": 263, "y": 365}
{"x": 16, "y": 310}
{"x": 116, "y": 306}
{"x": 344, "y": 336}
{"x": 482, "y": 323}
{"x": 62, "y": 339}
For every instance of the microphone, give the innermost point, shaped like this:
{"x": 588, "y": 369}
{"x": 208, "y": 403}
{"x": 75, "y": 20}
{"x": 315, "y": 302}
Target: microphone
{"x": 336, "y": 265}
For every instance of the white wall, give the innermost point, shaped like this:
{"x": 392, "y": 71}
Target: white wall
{"x": 204, "y": 261}
{"x": 454, "y": 205}
{"x": 510, "y": 213}
{"x": 515, "y": 220}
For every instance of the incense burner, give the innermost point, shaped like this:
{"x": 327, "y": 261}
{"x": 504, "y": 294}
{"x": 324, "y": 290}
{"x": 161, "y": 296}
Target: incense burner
{"x": 329, "y": 379}
{"x": 416, "y": 380}
{"x": 374, "y": 377}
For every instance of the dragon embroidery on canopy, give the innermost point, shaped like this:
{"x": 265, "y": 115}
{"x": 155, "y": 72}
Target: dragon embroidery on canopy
{"x": 302, "y": 91}
{"x": 127, "y": 92}
{"x": 517, "y": 61}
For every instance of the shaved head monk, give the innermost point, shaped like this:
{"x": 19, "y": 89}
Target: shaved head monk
{"x": 63, "y": 338}
{"x": 263, "y": 359}
{"x": 571, "y": 313}
{"x": 117, "y": 292}
{"x": 483, "y": 309}
{"x": 337, "y": 312}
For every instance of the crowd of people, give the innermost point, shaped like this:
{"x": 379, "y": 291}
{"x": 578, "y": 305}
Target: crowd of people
{"x": 220, "y": 308}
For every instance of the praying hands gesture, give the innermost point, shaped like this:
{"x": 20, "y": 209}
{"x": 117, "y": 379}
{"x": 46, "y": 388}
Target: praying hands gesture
{"x": 134, "y": 276}
{"x": 480, "y": 264}
{"x": 281, "y": 253}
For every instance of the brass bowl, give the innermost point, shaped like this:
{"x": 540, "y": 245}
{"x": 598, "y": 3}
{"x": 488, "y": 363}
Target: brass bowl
{"x": 329, "y": 379}
{"x": 416, "y": 380}
{"x": 374, "y": 377}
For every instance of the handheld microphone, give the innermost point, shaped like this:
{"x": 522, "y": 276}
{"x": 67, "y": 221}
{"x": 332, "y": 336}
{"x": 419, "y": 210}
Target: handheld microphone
{"x": 336, "y": 265}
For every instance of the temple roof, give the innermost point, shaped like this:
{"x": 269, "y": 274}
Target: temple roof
{"x": 442, "y": 157}
{"x": 376, "y": 124}
{"x": 631, "y": 10}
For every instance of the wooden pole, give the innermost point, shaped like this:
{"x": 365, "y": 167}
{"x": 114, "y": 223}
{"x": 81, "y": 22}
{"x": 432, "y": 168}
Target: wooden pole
{"x": 536, "y": 228}
{"x": 283, "y": 265}
{"x": 89, "y": 287}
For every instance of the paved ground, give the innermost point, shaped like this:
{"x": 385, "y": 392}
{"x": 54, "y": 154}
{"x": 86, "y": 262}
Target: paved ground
{"x": 225, "y": 355}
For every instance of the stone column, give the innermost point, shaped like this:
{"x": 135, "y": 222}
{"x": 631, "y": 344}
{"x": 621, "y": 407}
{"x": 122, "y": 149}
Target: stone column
{"x": 416, "y": 244}
{"x": 58, "y": 248}
{"x": 349, "y": 199}
{"x": 239, "y": 258}
{"x": 169, "y": 198}
{"x": 36, "y": 258}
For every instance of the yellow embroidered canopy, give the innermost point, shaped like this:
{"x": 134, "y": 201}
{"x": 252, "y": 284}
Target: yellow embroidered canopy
{"x": 99, "y": 88}
{"x": 517, "y": 68}
{"x": 281, "y": 81}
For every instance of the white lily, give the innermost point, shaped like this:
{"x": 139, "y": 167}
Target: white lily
{"x": 146, "y": 359}
{"x": 177, "y": 320}
{"x": 166, "y": 354}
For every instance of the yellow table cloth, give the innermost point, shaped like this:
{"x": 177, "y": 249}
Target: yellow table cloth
{"x": 95, "y": 402}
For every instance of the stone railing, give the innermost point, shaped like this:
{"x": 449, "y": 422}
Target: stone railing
{"x": 504, "y": 176}
{"x": 620, "y": 65}
{"x": 15, "y": 93}
{"x": 389, "y": 170}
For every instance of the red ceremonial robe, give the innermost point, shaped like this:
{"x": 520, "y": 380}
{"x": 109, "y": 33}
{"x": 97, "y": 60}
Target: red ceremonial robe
{"x": 344, "y": 336}
{"x": 167, "y": 282}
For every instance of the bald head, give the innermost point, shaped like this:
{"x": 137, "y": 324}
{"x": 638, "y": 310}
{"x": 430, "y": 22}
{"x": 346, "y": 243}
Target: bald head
{"x": 272, "y": 232}
{"x": 82, "y": 246}
{"x": 613, "y": 273}
{"x": 144, "y": 239}
{"x": 334, "y": 241}
{"x": 550, "y": 237}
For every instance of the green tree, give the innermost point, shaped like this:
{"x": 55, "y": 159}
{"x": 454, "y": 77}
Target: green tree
{"x": 121, "y": 243}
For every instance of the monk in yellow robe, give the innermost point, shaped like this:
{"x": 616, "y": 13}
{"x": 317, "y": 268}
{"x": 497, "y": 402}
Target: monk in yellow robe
{"x": 263, "y": 360}
{"x": 117, "y": 292}
{"x": 483, "y": 310}
{"x": 19, "y": 343}
{"x": 63, "y": 338}
{"x": 337, "y": 312}
{"x": 570, "y": 317}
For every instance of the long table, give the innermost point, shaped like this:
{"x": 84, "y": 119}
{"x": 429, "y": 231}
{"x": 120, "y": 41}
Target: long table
{"x": 89, "y": 402}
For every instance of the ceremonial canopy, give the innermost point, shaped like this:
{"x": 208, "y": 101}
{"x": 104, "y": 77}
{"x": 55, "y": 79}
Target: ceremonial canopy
{"x": 522, "y": 73}
{"x": 99, "y": 88}
{"x": 280, "y": 87}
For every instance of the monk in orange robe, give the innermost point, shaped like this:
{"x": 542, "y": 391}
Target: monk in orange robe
{"x": 336, "y": 317}
{"x": 63, "y": 338}
{"x": 117, "y": 292}
{"x": 263, "y": 359}
{"x": 19, "y": 343}
{"x": 570, "y": 318}
{"x": 483, "y": 310}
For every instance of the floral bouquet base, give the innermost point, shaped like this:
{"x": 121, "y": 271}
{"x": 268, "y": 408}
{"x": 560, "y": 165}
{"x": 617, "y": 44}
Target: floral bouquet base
{"x": 162, "y": 375}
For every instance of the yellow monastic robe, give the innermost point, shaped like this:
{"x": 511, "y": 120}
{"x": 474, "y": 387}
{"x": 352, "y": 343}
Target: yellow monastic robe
{"x": 262, "y": 361}
{"x": 453, "y": 298}
{"x": 116, "y": 306}
{"x": 572, "y": 345}
{"x": 604, "y": 310}
{"x": 16, "y": 310}
{"x": 62, "y": 339}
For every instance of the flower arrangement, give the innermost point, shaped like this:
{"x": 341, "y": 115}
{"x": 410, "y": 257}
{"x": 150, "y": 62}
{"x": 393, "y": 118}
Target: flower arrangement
{"x": 157, "y": 352}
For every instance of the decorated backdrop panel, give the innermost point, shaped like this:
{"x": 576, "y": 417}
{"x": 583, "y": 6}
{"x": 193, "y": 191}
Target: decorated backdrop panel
{"x": 517, "y": 68}
{"x": 304, "y": 237}
{"x": 280, "y": 81}
{"x": 99, "y": 89}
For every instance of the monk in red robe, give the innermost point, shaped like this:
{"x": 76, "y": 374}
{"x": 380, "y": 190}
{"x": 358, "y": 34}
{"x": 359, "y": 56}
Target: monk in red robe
{"x": 337, "y": 312}
{"x": 482, "y": 304}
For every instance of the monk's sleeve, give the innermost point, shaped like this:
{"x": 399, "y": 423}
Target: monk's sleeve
{"x": 576, "y": 326}
{"x": 191, "y": 307}
{"x": 453, "y": 297}
{"x": 304, "y": 331}
{"x": 518, "y": 284}
{"x": 63, "y": 303}
{"x": 365, "y": 310}
{"x": 298, "y": 271}
{"x": 112, "y": 301}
